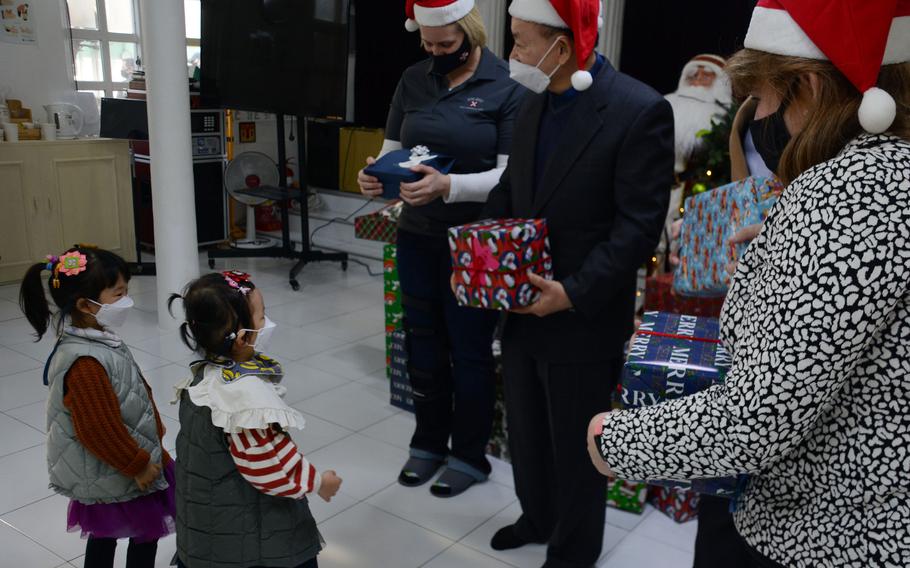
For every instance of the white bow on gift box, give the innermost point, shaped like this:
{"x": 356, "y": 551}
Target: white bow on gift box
{"x": 419, "y": 154}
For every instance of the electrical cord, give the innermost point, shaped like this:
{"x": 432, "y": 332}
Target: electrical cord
{"x": 367, "y": 266}
{"x": 345, "y": 220}
{"x": 339, "y": 219}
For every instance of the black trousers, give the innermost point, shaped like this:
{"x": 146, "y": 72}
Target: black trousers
{"x": 718, "y": 544}
{"x": 450, "y": 356}
{"x": 99, "y": 553}
{"x": 548, "y": 408}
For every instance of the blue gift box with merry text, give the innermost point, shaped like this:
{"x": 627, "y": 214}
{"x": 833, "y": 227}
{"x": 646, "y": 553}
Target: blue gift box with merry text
{"x": 672, "y": 356}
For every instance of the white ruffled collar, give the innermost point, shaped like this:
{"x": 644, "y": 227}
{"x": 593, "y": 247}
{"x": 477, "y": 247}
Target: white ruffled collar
{"x": 106, "y": 337}
{"x": 247, "y": 400}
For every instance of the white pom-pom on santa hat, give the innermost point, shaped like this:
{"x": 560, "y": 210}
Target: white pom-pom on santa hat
{"x": 852, "y": 35}
{"x": 411, "y": 25}
{"x": 582, "y": 80}
{"x": 877, "y": 111}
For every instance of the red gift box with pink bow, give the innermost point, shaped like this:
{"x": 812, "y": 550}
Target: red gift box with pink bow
{"x": 491, "y": 260}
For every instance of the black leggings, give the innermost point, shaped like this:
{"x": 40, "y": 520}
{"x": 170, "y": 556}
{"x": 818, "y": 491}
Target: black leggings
{"x": 308, "y": 564}
{"x": 99, "y": 553}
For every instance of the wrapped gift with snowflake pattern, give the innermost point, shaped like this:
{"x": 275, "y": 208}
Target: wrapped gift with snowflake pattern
{"x": 672, "y": 356}
{"x": 491, "y": 261}
{"x": 710, "y": 221}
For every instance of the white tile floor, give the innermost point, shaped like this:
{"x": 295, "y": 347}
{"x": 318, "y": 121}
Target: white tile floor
{"x": 331, "y": 343}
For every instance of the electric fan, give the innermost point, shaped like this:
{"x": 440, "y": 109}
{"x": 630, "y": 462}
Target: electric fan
{"x": 245, "y": 173}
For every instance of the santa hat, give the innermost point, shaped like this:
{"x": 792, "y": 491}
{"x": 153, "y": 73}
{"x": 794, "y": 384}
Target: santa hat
{"x": 858, "y": 37}
{"x": 583, "y": 17}
{"x": 435, "y": 13}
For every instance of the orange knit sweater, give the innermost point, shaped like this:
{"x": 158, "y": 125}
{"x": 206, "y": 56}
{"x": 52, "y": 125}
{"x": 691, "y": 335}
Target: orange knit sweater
{"x": 95, "y": 412}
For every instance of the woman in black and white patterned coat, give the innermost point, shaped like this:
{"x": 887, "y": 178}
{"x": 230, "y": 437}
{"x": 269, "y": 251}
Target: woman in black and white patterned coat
{"x": 817, "y": 404}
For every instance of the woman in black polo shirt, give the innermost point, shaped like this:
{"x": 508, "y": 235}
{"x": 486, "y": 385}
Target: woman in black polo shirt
{"x": 458, "y": 102}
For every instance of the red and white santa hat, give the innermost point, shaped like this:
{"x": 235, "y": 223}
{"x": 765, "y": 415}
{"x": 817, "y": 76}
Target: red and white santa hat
{"x": 583, "y": 17}
{"x": 857, "y": 36}
{"x": 435, "y": 13}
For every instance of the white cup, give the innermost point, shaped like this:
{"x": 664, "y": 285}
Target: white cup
{"x": 11, "y": 131}
{"x": 48, "y": 131}
{"x": 28, "y": 125}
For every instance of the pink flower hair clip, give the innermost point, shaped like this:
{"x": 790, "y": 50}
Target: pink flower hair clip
{"x": 236, "y": 279}
{"x": 70, "y": 264}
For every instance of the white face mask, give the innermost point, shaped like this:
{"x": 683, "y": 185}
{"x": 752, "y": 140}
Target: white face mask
{"x": 113, "y": 315}
{"x": 530, "y": 76}
{"x": 264, "y": 335}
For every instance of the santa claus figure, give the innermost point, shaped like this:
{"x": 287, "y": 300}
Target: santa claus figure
{"x": 704, "y": 92}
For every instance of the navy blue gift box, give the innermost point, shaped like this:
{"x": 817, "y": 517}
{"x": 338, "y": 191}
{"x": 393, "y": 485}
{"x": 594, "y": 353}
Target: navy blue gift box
{"x": 672, "y": 356}
{"x": 392, "y": 175}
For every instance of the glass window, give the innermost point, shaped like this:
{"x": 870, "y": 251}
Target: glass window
{"x": 123, "y": 60}
{"x": 97, "y": 95}
{"x": 83, "y": 14}
{"x": 120, "y": 17}
{"x": 193, "y": 12}
{"x": 193, "y": 53}
{"x": 88, "y": 59}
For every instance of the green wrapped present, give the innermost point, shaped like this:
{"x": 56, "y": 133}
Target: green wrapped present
{"x": 627, "y": 496}
{"x": 394, "y": 314}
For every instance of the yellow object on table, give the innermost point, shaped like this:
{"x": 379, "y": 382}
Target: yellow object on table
{"x": 18, "y": 113}
{"x": 354, "y": 146}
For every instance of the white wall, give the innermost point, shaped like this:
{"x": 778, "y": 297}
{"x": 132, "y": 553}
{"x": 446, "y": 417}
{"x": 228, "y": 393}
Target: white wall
{"x": 39, "y": 74}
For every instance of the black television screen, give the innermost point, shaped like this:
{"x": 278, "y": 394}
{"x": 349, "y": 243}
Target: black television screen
{"x": 280, "y": 56}
{"x": 125, "y": 119}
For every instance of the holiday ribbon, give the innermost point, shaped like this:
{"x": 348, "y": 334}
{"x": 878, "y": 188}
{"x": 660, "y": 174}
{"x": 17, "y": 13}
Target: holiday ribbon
{"x": 675, "y": 336}
{"x": 482, "y": 258}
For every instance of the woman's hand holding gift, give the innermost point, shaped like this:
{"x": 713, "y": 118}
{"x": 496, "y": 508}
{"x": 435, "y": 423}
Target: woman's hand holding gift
{"x": 432, "y": 186}
{"x": 369, "y": 185}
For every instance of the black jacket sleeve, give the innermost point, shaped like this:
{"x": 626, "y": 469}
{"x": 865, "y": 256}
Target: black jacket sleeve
{"x": 644, "y": 174}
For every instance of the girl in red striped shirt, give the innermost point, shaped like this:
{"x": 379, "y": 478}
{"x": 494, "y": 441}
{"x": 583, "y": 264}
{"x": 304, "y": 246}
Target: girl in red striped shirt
{"x": 239, "y": 473}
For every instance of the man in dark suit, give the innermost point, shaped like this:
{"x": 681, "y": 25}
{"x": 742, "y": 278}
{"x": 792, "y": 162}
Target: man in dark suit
{"x": 593, "y": 155}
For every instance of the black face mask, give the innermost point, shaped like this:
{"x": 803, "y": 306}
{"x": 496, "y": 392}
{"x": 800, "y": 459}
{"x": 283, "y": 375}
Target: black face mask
{"x": 770, "y": 136}
{"x": 445, "y": 64}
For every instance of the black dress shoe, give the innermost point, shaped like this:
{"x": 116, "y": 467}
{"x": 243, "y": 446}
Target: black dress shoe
{"x": 507, "y": 538}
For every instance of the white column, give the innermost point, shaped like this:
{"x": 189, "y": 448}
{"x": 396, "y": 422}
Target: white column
{"x": 494, "y": 20}
{"x": 611, "y": 35}
{"x": 173, "y": 204}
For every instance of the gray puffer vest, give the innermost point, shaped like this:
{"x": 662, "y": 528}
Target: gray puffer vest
{"x": 222, "y": 520}
{"x": 74, "y": 471}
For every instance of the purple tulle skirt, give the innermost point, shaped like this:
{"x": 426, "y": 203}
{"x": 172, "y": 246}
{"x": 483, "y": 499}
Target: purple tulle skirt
{"x": 144, "y": 519}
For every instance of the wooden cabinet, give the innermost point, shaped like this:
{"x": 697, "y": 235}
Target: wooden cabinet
{"x": 55, "y": 194}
